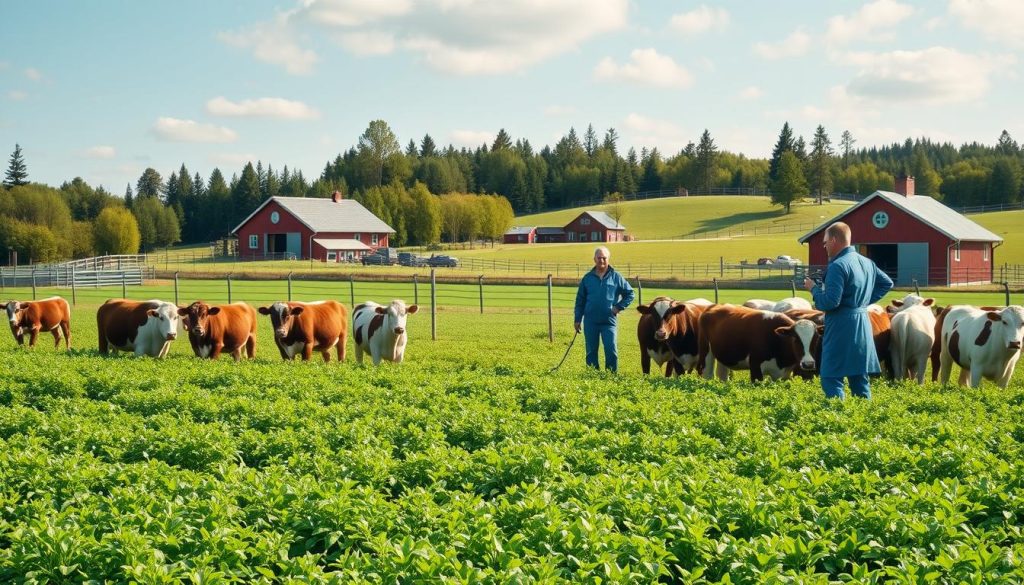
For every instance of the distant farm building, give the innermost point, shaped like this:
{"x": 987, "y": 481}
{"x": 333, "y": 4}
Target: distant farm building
{"x": 914, "y": 238}
{"x": 330, "y": 230}
{"x": 589, "y": 226}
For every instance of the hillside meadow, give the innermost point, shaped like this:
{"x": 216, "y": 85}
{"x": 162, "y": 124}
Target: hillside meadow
{"x": 472, "y": 462}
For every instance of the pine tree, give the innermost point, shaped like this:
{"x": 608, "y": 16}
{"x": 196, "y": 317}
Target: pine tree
{"x": 590, "y": 141}
{"x": 611, "y": 139}
{"x": 846, "y": 143}
{"x": 502, "y": 141}
{"x": 129, "y": 200}
{"x": 784, "y": 144}
{"x": 410, "y": 149}
{"x": 150, "y": 184}
{"x": 706, "y": 157}
{"x": 820, "y": 164}
{"x": 1007, "y": 145}
{"x": 790, "y": 183}
{"x": 427, "y": 146}
{"x": 17, "y": 172}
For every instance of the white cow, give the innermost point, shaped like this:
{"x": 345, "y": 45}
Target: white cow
{"x": 760, "y": 304}
{"x": 380, "y": 330}
{"x": 985, "y": 344}
{"x": 913, "y": 334}
{"x": 790, "y": 303}
{"x": 700, "y": 301}
{"x": 145, "y": 328}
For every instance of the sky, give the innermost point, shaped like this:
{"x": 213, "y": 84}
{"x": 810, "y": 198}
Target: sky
{"x": 104, "y": 89}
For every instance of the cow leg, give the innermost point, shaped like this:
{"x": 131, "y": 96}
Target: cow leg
{"x": 722, "y": 371}
{"x": 65, "y": 328}
{"x": 33, "y": 335}
{"x": 103, "y": 343}
{"x": 945, "y": 364}
{"x": 964, "y": 374}
{"x": 669, "y": 368}
{"x": 250, "y": 347}
{"x": 56, "y": 337}
{"x": 645, "y": 361}
{"x": 342, "y": 341}
{"x": 307, "y": 350}
{"x": 922, "y": 365}
{"x": 756, "y": 375}
{"x": 975, "y": 377}
{"x": 237, "y": 354}
{"x": 376, "y": 357}
{"x": 216, "y": 350}
{"x": 359, "y": 354}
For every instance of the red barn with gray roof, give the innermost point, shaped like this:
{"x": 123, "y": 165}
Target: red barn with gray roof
{"x": 330, "y": 230}
{"x": 914, "y": 237}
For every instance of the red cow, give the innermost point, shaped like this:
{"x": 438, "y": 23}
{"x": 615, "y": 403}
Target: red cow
{"x": 52, "y": 314}
{"x": 667, "y": 332}
{"x": 212, "y": 330}
{"x": 305, "y": 327}
{"x": 765, "y": 342}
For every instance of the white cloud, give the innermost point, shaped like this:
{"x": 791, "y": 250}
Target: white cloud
{"x": 998, "y": 20}
{"x": 867, "y": 23}
{"x": 700, "y": 19}
{"x": 934, "y": 75}
{"x": 751, "y": 92}
{"x": 648, "y": 132}
{"x": 934, "y": 23}
{"x": 462, "y": 37}
{"x": 274, "y": 42}
{"x": 557, "y": 111}
{"x": 16, "y": 95}
{"x": 100, "y": 152}
{"x": 175, "y": 130}
{"x": 471, "y": 138}
{"x": 794, "y": 45}
{"x": 646, "y": 67}
{"x": 368, "y": 42}
{"x": 34, "y": 74}
{"x": 262, "y": 108}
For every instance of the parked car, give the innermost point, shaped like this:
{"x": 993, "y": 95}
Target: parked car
{"x": 376, "y": 260}
{"x": 410, "y": 259}
{"x": 784, "y": 260}
{"x": 442, "y": 260}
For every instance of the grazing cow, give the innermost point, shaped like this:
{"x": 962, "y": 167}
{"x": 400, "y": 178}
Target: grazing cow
{"x": 301, "y": 328}
{"x": 701, "y": 301}
{"x": 760, "y": 304}
{"x": 380, "y": 330}
{"x": 984, "y": 343}
{"x": 212, "y": 330}
{"x": 765, "y": 342}
{"x": 791, "y": 303}
{"x": 142, "y": 327}
{"x": 913, "y": 334}
{"x": 818, "y": 317}
{"x": 881, "y": 332}
{"x": 52, "y": 314}
{"x": 667, "y": 332}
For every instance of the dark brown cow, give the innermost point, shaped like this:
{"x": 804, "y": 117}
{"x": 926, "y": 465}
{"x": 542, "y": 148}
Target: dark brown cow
{"x": 667, "y": 332}
{"x": 301, "y": 328}
{"x": 52, "y": 314}
{"x": 765, "y": 342}
{"x": 212, "y": 330}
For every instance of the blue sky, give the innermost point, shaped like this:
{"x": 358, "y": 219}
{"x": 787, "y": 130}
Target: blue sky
{"x": 104, "y": 89}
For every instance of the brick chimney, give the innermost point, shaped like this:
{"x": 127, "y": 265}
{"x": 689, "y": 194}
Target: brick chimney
{"x": 337, "y": 196}
{"x": 905, "y": 185}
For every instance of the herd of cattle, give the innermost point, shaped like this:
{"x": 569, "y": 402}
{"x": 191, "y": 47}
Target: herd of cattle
{"x": 149, "y": 327}
{"x": 781, "y": 339}
{"x": 770, "y": 339}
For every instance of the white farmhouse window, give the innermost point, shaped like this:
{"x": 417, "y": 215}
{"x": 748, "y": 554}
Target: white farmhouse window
{"x": 356, "y": 237}
{"x": 956, "y": 253}
{"x": 254, "y": 241}
{"x": 332, "y": 256}
{"x": 373, "y": 239}
{"x": 985, "y": 252}
{"x": 595, "y": 236}
{"x": 585, "y": 221}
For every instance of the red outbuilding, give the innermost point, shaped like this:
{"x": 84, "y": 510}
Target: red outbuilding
{"x": 330, "y": 230}
{"x": 521, "y": 235}
{"x": 914, "y": 238}
{"x": 595, "y": 226}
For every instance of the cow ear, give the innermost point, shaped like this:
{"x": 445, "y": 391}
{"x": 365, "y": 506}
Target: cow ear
{"x": 928, "y": 302}
{"x": 213, "y": 311}
{"x": 643, "y": 309}
{"x": 263, "y": 310}
{"x": 381, "y": 310}
{"x": 993, "y": 316}
{"x": 297, "y": 310}
{"x": 21, "y": 306}
{"x": 784, "y": 331}
{"x": 676, "y": 309}
{"x": 896, "y": 303}
{"x": 183, "y": 311}
{"x": 151, "y": 312}
{"x": 412, "y": 309}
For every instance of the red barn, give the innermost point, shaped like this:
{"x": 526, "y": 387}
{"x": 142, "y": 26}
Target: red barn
{"x": 914, "y": 237}
{"x": 521, "y": 235}
{"x": 595, "y": 226}
{"x": 331, "y": 230}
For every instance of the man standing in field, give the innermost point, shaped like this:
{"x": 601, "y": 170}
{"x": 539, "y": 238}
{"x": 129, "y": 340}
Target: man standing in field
{"x": 603, "y": 294}
{"x": 852, "y": 282}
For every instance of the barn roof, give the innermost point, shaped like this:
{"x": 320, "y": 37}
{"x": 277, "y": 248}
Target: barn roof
{"x": 931, "y": 212}
{"x": 341, "y": 244}
{"x": 325, "y": 215}
{"x": 604, "y": 219}
{"x": 520, "y": 230}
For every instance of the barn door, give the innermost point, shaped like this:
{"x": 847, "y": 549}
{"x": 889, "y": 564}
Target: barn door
{"x": 295, "y": 244}
{"x": 913, "y": 264}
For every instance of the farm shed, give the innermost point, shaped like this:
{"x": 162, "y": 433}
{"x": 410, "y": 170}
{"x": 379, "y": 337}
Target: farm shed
{"x": 914, "y": 238}
{"x": 520, "y": 235}
{"x": 595, "y": 226}
{"x": 330, "y": 230}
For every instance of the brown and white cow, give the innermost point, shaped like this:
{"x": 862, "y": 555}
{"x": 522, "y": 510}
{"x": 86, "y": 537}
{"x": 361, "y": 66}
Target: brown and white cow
{"x": 142, "y": 327}
{"x": 302, "y": 328}
{"x": 380, "y": 330}
{"x": 667, "y": 332}
{"x": 215, "y": 329}
{"x": 985, "y": 344}
{"x": 52, "y": 314}
{"x": 765, "y": 342}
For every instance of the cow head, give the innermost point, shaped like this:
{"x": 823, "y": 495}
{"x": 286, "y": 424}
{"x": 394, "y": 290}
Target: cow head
{"x": 15, "y": 310}
{"x": 1012, "y": 319}
{"x": 806, "y": 339}
{"x": 395, "y": 315}
{"x": 663, "y": 309}
{"x": 166, "y": 317}
{"x": 908, "y": 302}
{"x": 281, "y": 317}
{"x": 196, "y": 316}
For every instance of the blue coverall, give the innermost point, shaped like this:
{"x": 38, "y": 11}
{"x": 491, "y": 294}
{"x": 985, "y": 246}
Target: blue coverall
{"x": 595, "y": 299}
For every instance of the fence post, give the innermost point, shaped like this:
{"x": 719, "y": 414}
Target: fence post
{"x": 481, "y": 284}
{"x": 792, "y": 285}
{"x": 352, "y": 290}
{"x": 175, "y": 287}
{"x": 551, "y": 326}
{"x": 74, "y": 290}
{"x": 433, "y": 306}
{"x": 124, "y": 283}
{"x": 1006, "y": 290}
{"x": 917, "y": 289}
{"x": 33, "y": 283}
{"x": 416, "y": 289}
{"x": 639, "y": 290}
{"x": 721, "y": 266}
{"x": 289, "y": 287}
{"x": 229, "y": 288}
{"x": 715, "y": 282}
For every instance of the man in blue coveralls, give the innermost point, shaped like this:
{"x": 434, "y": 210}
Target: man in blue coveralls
{"x": 852, "y": 282}
{"x": 603, "y": 294}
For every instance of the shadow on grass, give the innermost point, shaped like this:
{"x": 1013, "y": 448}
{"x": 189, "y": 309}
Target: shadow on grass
{"x": 712, "y": 224}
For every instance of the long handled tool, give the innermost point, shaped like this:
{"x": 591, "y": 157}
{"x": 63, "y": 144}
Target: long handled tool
{"x": 555, "y": 369}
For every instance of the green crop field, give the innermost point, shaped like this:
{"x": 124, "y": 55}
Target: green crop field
{"x": 473, "y": 463}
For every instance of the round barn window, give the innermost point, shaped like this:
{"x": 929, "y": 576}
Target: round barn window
{"x": 880, "y": 219}
{"x": 275, "y": 217}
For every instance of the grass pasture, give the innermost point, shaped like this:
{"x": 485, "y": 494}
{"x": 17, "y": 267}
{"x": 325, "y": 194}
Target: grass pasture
{"x": 470, "y": 463}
